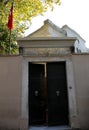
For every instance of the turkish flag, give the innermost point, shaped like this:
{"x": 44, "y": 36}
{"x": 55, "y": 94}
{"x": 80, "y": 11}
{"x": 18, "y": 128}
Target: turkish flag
{"x": 10, "y": 18}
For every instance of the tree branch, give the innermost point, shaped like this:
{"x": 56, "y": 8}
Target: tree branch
{"x": 5, "y": 2}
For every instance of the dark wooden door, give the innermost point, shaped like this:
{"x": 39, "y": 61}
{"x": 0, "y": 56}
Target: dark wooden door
{"x": 48, "y": 102}
{"x": 36, "y": 94}
{"x": 57, "y": 94}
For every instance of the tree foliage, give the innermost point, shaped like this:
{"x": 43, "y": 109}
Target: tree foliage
{"x": 23, "y": 12}
{"x": 4, "y": 41}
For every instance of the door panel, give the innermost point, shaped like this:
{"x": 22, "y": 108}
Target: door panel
{"x": 36, "y": 94}
{"x": 57, "y": 94}
{"x": 48, "y": 101}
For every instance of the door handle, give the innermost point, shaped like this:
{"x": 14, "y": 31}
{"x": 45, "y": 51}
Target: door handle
{"x": 57, "y": 92}
{"x": 36, "y": 93}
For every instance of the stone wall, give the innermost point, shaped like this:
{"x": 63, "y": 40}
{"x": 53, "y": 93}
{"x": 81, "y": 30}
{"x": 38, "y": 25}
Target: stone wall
{"x": 81, "y": 77}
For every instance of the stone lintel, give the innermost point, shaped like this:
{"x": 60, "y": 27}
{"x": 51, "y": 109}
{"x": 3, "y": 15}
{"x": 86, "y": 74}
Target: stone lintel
{"x": 47, "y": 42}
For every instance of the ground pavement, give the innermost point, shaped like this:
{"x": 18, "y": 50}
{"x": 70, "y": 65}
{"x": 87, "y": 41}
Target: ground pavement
{"x": 50, "y": 128}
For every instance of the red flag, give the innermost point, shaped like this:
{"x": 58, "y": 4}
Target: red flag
{"x": 10, "y": 18}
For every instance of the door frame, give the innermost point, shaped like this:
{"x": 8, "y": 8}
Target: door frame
{"x": 73, "y": 114}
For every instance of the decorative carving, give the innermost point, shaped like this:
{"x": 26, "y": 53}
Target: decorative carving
{"x": 46, "y": 51}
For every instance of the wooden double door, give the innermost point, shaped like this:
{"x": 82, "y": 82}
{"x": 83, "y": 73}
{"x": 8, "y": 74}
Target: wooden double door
{"x": 48, "y": 100}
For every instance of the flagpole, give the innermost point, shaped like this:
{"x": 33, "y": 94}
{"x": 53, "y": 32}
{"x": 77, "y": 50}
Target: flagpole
{"x": 10, "y": 42}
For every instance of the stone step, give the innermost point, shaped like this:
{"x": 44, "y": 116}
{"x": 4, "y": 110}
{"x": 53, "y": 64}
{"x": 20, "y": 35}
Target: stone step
{"x": 50, "y": 128}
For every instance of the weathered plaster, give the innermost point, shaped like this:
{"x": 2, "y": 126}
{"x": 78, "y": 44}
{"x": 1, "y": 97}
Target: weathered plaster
{"x": 24, "y": 110}
{"x": 73, "y": 114}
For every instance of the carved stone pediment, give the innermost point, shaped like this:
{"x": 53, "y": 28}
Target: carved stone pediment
{"x": 46, "y": 47}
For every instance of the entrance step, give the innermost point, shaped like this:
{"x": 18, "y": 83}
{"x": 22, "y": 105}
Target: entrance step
{"x": 50, "y": 128}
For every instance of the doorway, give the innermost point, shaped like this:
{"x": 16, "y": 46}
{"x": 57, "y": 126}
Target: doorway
{"x": 48, "y": 98}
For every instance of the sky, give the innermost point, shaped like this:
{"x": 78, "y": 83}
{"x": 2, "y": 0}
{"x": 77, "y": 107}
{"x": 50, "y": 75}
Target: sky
{"x": 73, "y": 13}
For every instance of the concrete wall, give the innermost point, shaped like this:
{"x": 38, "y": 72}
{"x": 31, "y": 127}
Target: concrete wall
{"x": 10, "y": 92}
{"x": 81, "y": 76}
{"x": 11, "y": 85}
